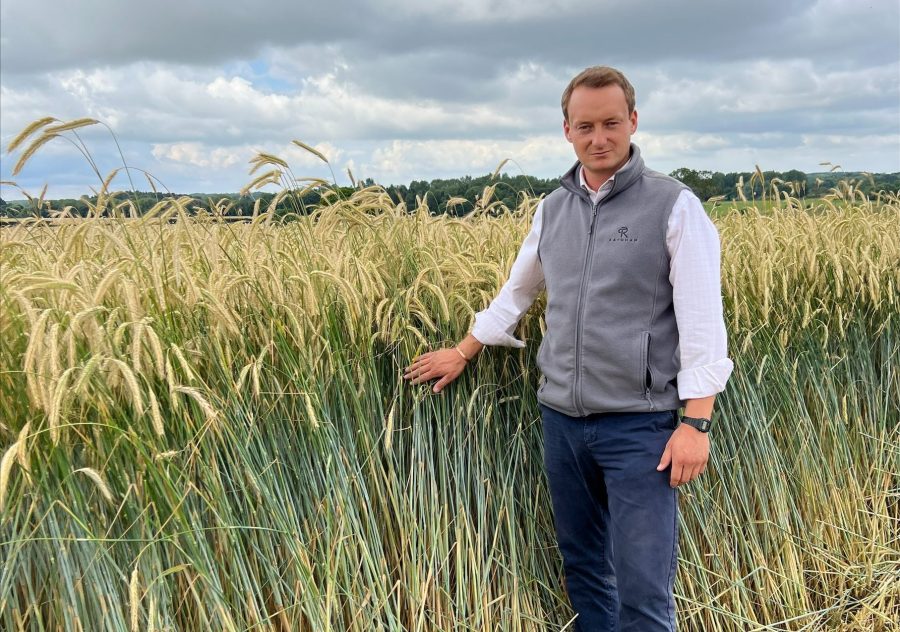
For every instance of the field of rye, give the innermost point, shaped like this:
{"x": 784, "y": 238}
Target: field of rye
{"x": 204, "y": 426}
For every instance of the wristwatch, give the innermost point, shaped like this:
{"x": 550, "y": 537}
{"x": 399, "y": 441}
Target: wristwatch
{"x": 700, "y": 423}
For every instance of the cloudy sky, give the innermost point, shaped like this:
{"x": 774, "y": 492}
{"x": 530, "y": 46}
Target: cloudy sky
{"x": 399, "y": 90}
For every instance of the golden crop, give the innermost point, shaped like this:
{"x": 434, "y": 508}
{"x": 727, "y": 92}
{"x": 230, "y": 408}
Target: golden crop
{"x": 245, "y": 378}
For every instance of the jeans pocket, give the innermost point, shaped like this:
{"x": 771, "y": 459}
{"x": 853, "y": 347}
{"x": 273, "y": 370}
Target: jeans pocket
{"x": 666, "y": 420}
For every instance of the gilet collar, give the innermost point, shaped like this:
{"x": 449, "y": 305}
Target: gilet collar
{"x": 625, "y": 177}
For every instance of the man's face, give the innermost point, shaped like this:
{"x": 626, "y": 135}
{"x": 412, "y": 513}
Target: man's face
{"x": 600, "y": 129}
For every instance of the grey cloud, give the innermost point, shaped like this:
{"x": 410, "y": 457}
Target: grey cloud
{"x": 41, "y": 35}
{"x": 424, "y": 59}
{"x": 451, "y": 58}
{"x": 362, "y": 75}
{"x": 625, "y": 33}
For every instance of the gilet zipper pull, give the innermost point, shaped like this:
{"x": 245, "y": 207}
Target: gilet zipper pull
{"x": 593, "y": 215}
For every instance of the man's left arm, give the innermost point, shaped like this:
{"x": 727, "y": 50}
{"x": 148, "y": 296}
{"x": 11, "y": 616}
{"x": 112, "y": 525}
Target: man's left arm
{"x": 694, "y": 258}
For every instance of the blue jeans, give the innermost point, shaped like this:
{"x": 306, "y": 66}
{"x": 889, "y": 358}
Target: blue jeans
{"x": 616, "y": 517}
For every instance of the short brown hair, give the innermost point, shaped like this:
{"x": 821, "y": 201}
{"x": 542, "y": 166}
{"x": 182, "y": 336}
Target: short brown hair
{"x": 598, "y": 77}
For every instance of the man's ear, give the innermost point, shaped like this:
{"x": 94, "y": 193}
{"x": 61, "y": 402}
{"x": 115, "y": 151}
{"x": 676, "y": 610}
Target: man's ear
{"x": 566, "y": 130}
{"x": 633, "y": 118}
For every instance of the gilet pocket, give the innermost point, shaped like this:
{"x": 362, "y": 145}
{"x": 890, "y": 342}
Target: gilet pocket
{"x": 645, "y": 375}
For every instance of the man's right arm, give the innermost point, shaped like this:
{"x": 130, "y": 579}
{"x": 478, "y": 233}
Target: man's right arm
{"x": 495, "y": 325}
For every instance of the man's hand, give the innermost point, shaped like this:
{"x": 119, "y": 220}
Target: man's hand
{"x": 446, "y": 364}
{"x": 688, "y": 451}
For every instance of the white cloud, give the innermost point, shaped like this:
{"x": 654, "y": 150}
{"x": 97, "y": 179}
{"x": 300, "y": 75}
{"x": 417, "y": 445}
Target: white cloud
{"x": 795, "y": 88}
{"x": 389, "y": 163}
{"x": 671, "y": 146}
{"x": 198, "y": 154}
{"x": 297, "y": 156}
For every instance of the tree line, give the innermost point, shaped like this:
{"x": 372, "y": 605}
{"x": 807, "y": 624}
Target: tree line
{"x": 459, "y": 196}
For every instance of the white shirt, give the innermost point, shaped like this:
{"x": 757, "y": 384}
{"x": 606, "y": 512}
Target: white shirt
{"x": 694, "y": 250}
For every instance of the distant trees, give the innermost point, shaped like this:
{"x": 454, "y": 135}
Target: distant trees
{"x": 234, "y": 205}
{"x": 704, "y": 184}
{"x": 507, "y": 189}
{"x": 467, "y": 190}
{"x": 707, "y": 184}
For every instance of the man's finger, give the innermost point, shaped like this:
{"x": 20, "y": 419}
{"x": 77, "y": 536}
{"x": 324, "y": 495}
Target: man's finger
{"x": 664, "y": 461}
{"x": 415, "y": 365}
{"x": 418, "y": 367}
{"x": 441, "y": 383}
{"x": 419, "y": 359}
{"x": 421, "y": 377}
{"x": 428, "y": 375}
{"x": 676, "y": 478}
{"x": 419, "y": 370}
{"x": 690, "y": 475}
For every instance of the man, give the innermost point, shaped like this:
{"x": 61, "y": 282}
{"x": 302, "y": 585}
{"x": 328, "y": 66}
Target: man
{"x": 635, "y": 332}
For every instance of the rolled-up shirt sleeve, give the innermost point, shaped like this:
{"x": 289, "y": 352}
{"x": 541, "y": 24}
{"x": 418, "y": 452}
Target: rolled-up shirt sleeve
{"x": 694, "y": 250}
{"x": 495, "y": 324}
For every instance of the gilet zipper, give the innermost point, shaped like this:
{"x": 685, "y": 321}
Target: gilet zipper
{"x": 577, "y": 397}
{"x": 646, "y": 368}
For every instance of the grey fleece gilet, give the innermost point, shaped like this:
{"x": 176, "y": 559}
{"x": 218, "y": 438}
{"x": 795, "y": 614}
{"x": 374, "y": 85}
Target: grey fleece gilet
{"x": 611, "y": 341}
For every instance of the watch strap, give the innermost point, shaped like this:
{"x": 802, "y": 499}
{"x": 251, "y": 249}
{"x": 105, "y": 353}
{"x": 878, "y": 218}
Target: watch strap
{"x": 700, "y": 423}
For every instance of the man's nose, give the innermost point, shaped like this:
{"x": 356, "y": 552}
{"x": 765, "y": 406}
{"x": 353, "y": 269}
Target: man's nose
{"x": 598, "y": 138}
